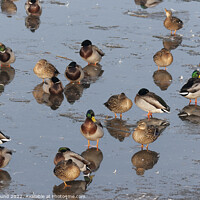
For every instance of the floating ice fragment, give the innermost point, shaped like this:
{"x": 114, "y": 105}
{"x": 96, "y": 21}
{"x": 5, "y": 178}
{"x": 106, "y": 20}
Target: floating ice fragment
{"x": 115, "y": 171}
{"x": 157, "y": 172}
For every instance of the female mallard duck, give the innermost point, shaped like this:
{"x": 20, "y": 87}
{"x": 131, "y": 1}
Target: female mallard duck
{"x": 119, "y": 103}
{"x": 191, "y": 90}
{"x": 7, "y": 56}
{"x": 33, "y": 7}
{"x": 8, "y": 7}
{"x": 43, "y": 69}
{"x": 74, "y": 72}
{"x": 65, "y": 153}
{"x": 90, "y": 53}
{"x": 144, "y": 134}
{"x": 5, "y": 156}
{"x": 150, "y": 102}
{"x": 172, "y": 23}
{"x": 67, "y": 170}
{"x": 163, "y": 58}
{"x": 4, "y": 138}
{"x": 91, "y": 129}
{"x": 53, "y": 86}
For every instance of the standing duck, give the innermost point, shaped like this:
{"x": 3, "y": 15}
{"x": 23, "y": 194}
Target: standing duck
{"x": 67, "y": 170}
{"x": 7, "y": 56}
{"x": 90, "y": 53}
{"x": 4, "y": 138}
{"x": 163, "y": 58}
{"x": 53, "y": 86}
{"x": 119, "y": 103}
{"x": 91, "y": 129}
{"x": 74, "y": 72}
{"x": 191, "y": 90}
{"x": 33, "y": 7}
{"x": 144, "y": 134}
{"x": 150, "y": 102}
{"x": 5, "y": 156}
{"x": 172, "y": 23}
{"x": 65, "y": 153}
{"x": 43, "y": 69}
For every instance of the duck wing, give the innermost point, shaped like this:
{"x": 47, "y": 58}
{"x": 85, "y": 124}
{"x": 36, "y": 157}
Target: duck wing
{"x": 98, "y": 50}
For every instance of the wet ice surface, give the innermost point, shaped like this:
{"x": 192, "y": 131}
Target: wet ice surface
{"x": 129, "y": 41}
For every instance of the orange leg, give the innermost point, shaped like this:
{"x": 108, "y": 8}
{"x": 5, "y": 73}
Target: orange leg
{"x": 149, "y": 115}
{"x": 88, "y": 144}
{"x": 165, "y": 68}
{"x": 171, "y": 32}
{"x": 147, "y": 146}
{"x": 115, "y": 115}
{"x": 97, "y": 144}
{"x": 66, "y": 185}
{"x": 120, "y": 115}
{"x": 174, "y": 32}
{"x": 158, "y": 68}
{"x": 190, "y": 101}
{"x": 195, "y": 101}
{"x": 142, "y": 146}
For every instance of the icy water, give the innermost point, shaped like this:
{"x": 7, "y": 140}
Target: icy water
{"x": 38, "y": 125}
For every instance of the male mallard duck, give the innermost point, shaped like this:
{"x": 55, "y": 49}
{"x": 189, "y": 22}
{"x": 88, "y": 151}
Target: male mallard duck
{"x": 53, "y": 86}
{"x": 43, "y": 69}
{"x": 74, "y": 72}
{"x": 172, "y": 23}
{"x": 5, "y": 156}
{"x": 65, "y": 153}
{"x": 196, "y": 74}
{"x": 119, "y": 103}
{"x": 91, "y": 129}
{"x": 7, "y": 56}
{"x": 90, "y": 53}
{"x": 33, "y": 7}
{"x": 191, "y": 90}
{"x": 150, "y": 102}
{"x": 147, "y": 3}
{"x": 144, "y": 134}
{"x": 4, "y": 138}
{"x": 67, "y": 170}
{"x": 163, "y": 58}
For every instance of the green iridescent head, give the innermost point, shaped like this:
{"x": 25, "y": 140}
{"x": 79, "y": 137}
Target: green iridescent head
{"x": 2, "y": 47}
{"x": 143, "y": 6}
{"x": 63, "y": 149}
{"x": 196, "y": 74}
{"x": 90, "y": 114}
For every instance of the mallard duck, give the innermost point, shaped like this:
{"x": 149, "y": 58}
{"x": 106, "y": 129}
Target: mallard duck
{"x": 150, "y": 102}
{"x": 4, "y": 138}
{"x": 65, "y": 153}
{"x": 144, "y": 134}
{"x": 119, "y": 103}
{"x": 191, "y": 90}
{"x": 67, "y": 170}
{"x": 43, "y": 69}
{"x": 53, "y": 86}
{"x": 8, "y": 7}
{"x": 5, "y": 156}
{"x": 163, "y": 58}
{"x": 33, "y": 7}
{"x": 196, "y": 74}
{"x": 91, "y": 129}
{"x": 147, "y": 3}
{"x": 74, "y": 72}
{"x": 90, "y": 53}
{"x": 7, "y": 56}
{"x": 172, "y": 23}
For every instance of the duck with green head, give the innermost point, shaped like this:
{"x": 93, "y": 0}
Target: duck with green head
{"x": 33, "y": 7}
{"x": 65, "y": 153}
{"x": 191, "y": 90}
{"x": 91, "y": 129}
{"x": 150, "y": 102}
{"x": 90, "y": 53}
{"x": 74, "y": 72}
{"x": 7, "y": 56}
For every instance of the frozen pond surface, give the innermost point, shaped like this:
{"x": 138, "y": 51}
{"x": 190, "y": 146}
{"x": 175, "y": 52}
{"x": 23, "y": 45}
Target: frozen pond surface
{"x": 129, "y": 36}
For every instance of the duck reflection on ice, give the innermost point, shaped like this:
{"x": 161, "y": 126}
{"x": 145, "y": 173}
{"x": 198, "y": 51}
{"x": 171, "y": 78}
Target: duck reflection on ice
{"x": 172, "y": 42}
{"x": 5, "y": 179}
{"x": 51, "y": 100}
{"x": 162, "y": 79}
{"x": 147, "y": 3}
{"x": 190, "y": 113}
{"x": 118, "y": 128}
{"x": 144, "y": 160}
{"x": 32, "y": 22}
{"x": 78, "y": 188}
{"x": 8, "y": 7}
{"x": 94, "y": 157}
